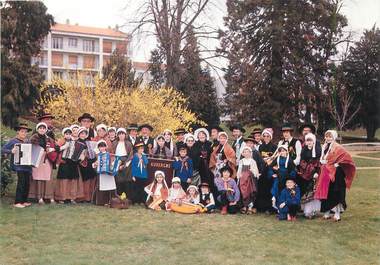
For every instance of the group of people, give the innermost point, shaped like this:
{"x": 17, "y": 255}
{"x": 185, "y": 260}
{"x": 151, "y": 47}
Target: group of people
{"x": 251, "y": 175}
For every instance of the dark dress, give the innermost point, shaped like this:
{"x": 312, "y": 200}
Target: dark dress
{"x": 201, "y": 159}
{"x": 264, "y": 184}
{"x": 307, "y": 168}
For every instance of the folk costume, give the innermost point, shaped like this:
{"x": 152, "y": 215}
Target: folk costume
{"x": 247, "y": 176}
{"x": 179, "y": 132}
{"x": 337, "y": 173}
{"x": 90, "y": 130}
{"x": 223, "y": 156}
{"x": 308, "y": 172}
{"x": 183, "y": 167}
{"x": 238, "y": 144}
{"x": 158, "y": 192}
{"x": 228, "y": 192}
{"x": 291, "y": 197}
{"x": 42, "y": 183}
{"x": 202, "y": 154}
{"x": 206, "y": 199}
{"x": 69, "y": 184}
{"x": 264, "y": 183}
{"x": 147, "y": 140}
{"x": 162, "y": 152}
{"x": 140, "y": 174}
{"x": 294, "y": 145}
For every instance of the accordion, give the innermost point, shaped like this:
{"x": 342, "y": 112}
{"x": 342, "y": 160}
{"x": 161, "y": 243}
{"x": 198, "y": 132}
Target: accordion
{"x": 28, "y": 154}
{"x": 73, "y": 151}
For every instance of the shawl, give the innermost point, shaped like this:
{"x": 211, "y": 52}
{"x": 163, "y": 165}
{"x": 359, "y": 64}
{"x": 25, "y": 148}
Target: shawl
{"x": 230, "y": 156}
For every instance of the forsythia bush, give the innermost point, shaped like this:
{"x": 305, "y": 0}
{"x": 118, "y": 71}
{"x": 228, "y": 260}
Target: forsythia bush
{"x": 163, "y": 108}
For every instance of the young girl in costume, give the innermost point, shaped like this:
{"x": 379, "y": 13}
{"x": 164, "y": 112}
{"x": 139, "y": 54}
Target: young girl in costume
{"x": 176, "y": 193}
{"x": 139, "y": 173}
{"x": 157, "y": 191}
{"x": 229, "y": 194}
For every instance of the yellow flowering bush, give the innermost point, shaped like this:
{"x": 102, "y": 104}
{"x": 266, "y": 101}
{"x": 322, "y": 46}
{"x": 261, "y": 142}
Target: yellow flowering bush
{"x": 163, "y": 108}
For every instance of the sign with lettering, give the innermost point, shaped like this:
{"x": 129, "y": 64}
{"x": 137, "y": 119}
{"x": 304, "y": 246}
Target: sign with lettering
{"x": 164, "y": 165}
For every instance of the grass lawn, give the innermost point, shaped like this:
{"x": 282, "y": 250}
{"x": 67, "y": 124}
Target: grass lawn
{"x": 363, "y": 162}
{"x": 86, "y": 234}
{"x": 376, "y": 155}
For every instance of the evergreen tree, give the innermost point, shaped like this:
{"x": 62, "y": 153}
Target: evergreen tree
{"x": 120, "y": 73}
{"x": 156, "y": 69}
{"x": 23, "y": 27}
{"x": 278, "y": 54}
{"x": 197, "y": 84}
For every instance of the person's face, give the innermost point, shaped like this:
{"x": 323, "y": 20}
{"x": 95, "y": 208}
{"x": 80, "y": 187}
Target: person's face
{"x": 102, "y": 149}
{"x": 192, "y": 192}
{"x": 257, "y": 137}
{"x": 167, "y": 136}
{"x": 290, "y": 184}
{"x": 67, "y": 135}
{"x": 41, "y": 130}
{"x": 283, "y": 152}
{"x": 22, "y": 133}
{"x": 204, "y": 190}
{"x": 286, "y": 134}
{"x": 226, "y": 175}
{"x": 202, "y": 136}
{"x": 309, "y": 143}
{"x": 121, "y": 136}
{"x": 236, "y": 133}
{"x": 328, "y": 138}
{"x": 214, "y": 134}
{"x": 112, "y": 134}
{"x": 190, "y": 142}
{"x": 250, "y": 144}
{"x": 85, "y": 123}
{"x": 75, "y": 132}
{"x": 83, "y": 135}
{"x": 102, "y": 133}
{"x": 140, "y": 150}
{"x": 247, "y": 153}
{"x": 180, "y": 137}
{"x": 145, "y": 131}
{"x": 48, "y": 121}
{"x": 160, "y": 179}
{"x": 176, "y": 185}
{"x": 161, "y": 142}
{"x": 222, "y": 139}
{"x": 266, "y": 138}
{"x": 133, "y": 133}
{"x": 306, "y": 130}
{"x": 183, "y": 152}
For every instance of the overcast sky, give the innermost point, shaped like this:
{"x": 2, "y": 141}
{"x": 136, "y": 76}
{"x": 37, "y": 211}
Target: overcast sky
{"x": 361, "y": 14}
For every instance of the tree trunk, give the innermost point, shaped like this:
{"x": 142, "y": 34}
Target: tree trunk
{"x": 371, "y": 130}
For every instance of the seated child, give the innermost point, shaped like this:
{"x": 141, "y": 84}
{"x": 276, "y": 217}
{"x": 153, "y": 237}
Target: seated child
{"x": 157, "y": 191}
{"x": 247, "y": 175}
{"x": 281, "y": 169}
{"x": 107, "y": 184}
{"x": 183, "y": 166}
{"x": 192, "y": 195}
{"x": 206, "y": 199}
{"x": 289, "y": 201}
{"x": 229, "y": 194}
{"x": 176, "y": 193}
{"x": 190, "y": 203}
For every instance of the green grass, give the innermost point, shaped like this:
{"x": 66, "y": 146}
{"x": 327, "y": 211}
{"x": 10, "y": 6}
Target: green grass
{"x": 86, "y": 234}
{"x": 363, "y": 162}
{"x": 376, "y": 154}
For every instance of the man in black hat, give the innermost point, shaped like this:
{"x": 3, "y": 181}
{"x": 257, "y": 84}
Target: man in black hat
{"x": 24, "y": 173}
{"x": 180, "y": 135}
{"x": 86, "y": 120}
{"x": 214, "y": 131}
{"x": 145, "y": 132}
{"x": 132, "y": 135}
{"x": 238, "y": 144}
{"x": 48, "y": 119}
{"x": 294, "y": 145}
{"x": 256, "y": 134}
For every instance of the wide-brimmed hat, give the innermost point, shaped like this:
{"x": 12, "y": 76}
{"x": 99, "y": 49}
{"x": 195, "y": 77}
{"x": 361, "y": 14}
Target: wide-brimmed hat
{"x": 237, "y": 127}
{"x": 307, "y": 125}
{"x": 180, "y": 131}
{"x": 45, "y": 116}
{"x": 146, "y": 125}
{"x": 139, "y": 143}
{"x": 287, "y": 127}
{"x": 256, "y": 130}
{"x": 204, "y": 184}
{"x": 22, "y": 126}
{"x": 133, "y": 126}
{"x": 86, "y": 116}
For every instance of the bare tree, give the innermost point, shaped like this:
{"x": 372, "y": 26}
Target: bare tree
{"x": 170, "y": 21}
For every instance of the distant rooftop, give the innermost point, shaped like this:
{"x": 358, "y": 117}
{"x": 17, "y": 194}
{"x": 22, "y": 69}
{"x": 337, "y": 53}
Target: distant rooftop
{"x": 89, "y": 30}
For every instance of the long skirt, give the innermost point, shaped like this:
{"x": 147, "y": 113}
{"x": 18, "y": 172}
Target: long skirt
{"x": 248, "y": 187}
{"x": 264, "y": 196}
{"x": 124, "y": 182}
{"x": 103, "y": 195}
{"x": 69, "y": 185}
{"x": 337, "y": 192}
{"x": 88, "y": 190}
{"x": 41, "y": 189}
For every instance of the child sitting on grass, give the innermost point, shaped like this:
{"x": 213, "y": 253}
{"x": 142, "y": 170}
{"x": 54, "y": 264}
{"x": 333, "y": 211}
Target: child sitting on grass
{"x": 289, "y": 201}
{"x": 176, "y": 193}
{"x": 229, "y": 194}
{"x": 206, "y": 198}
{"x": 157, "y": 192}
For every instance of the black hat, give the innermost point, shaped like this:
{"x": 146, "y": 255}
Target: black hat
{"x": 182, "y": 146}
{"x": 132, "y": 126}
{"x": 226, "y": 168}
{"x": 307, "y": 125}
{"x": 237, "y": 127}
{"x": 180, "y": 131}
{"x": 204, "y": 184}
{"x": 146, "y": 125}
{"x": 23, "y": 126}
{"x": 86, "y": 116}
{"x": 287, "y": 127}
{"x": 249, "y": 139}
{"x": 215, "y": 127}
{"x": 139, "y": 143}
{"x": 256, "y": 130}
{"x": 290, "y": 178}
{"x": 45, "y": 116}
{"x": 194, "y": 127}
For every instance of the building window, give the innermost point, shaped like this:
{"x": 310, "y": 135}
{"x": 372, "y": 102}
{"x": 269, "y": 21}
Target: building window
{"x": 88, "y": 45}
{"x": 58, "y": 74}
{"x": 57, "y": 43}
{"x": 73, "y": 61}
{"x": 73, "y": 42}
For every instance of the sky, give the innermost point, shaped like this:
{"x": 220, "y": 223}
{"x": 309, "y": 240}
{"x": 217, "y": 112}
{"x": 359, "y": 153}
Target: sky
{"x": 361, "y": 14}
